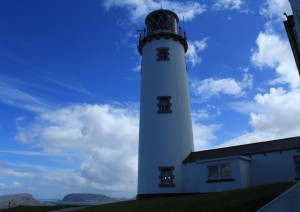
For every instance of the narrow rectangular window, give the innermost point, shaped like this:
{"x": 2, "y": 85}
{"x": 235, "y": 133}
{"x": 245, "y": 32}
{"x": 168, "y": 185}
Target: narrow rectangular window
{"x": 166, "y": 176}
{"x": 162, "y": 54}
{"x": 297, "y": 165}
{"x": 213, "y": 172}
{"x": 164, "y": 104}
{"x": 225, "y": 171}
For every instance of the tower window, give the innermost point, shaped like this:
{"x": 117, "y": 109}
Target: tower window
{"x": 162, "y": 54}
{"x": 164, "y": 104}
{"x": 166, "y": 176}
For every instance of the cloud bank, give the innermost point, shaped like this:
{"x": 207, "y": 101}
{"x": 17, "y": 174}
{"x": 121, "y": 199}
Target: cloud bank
{"x": 228, "y": 4}
{"x": 208, "y": 88}
{"x": 102, "y": 138}
{"x": 139, "y": 9}
{"x": 195, "y": 47}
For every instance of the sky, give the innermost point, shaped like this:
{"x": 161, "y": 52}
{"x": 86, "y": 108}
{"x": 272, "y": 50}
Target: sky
{"x": 70, "y": 87}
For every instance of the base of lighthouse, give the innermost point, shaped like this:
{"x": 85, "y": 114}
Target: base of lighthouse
{"x": 152, "y": 196}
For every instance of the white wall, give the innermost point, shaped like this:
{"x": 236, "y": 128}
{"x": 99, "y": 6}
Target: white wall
{"x": 197, "y": 176}
{"x": 260, "y": 169}
{"x": 164, "y": 139}
{"x": 192, "y": 178}
{"x": 220, "y": 186}
{"x": 245, "y": 173}
{"x": 272, "y": 167}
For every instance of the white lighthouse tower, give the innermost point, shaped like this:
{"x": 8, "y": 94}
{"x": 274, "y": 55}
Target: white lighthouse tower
{"x": 166, "y": 137}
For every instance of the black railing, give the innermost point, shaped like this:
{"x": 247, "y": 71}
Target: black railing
{"x": 173, "y": 30}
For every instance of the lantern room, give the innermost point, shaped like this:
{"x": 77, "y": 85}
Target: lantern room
{"x": 162, "y": 20}
{"x": 162, "y": 24}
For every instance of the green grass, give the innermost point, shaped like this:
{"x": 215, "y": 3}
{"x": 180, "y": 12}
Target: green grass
{"x": 249, "y": 199}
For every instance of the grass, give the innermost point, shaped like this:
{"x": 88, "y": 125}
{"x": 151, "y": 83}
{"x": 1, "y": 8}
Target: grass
{"x": 246, "y": 200}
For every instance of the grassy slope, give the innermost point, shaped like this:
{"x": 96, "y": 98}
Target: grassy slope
{"x": 249, "y": 199}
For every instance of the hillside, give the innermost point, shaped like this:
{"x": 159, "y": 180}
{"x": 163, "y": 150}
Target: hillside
{"x": 12, "y": 201}
{"x": 245, "y": 200}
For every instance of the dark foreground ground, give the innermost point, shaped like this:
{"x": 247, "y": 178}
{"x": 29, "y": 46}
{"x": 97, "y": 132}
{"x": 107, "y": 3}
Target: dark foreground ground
{"x": 245, "y": 200}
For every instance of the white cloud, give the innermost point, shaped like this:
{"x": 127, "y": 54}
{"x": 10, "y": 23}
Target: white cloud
{"x": 210, "y": 87}
{"x": 16, "y": 185}
{"x": 228, "y": 4}
{"x": 68, "y": 84}
{"x": 44, "y": 182}
{"x": 137, "y": 68}
{"x": 276, "y": 8}
{"x": 28, "y": 153}
{"x": 280, "y": 116}
{"x": 139, "y": 9}
{"x": 10, "y": 94}
{"x": 276, "y": 117}
{"x": 204, "y": 135}
{"x": 194, "y": 48}
{"x": 15, "y": 173}
{"x": 103, "y": 138}
{"x": 206, "y": 113}
{"x": 2, "y": 186}
{"x": 273, "y": 114}
{"x": 274, "y": 52}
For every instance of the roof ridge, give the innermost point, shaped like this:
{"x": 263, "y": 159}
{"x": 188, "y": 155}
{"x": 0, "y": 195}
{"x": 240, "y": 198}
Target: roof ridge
{"x": 246, "y": 149}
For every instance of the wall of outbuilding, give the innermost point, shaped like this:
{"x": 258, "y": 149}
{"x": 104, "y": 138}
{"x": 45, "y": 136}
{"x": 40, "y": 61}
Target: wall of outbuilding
{"x": 253, "y": 170}
{"x": 221, "y": 185}
{"x": 197, "y": 179}
{"x": 192, "y": 177}
{"x": 272, "y": 167}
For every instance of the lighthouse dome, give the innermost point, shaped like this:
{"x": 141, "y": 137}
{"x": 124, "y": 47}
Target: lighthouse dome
{"x": 162, "y": 24}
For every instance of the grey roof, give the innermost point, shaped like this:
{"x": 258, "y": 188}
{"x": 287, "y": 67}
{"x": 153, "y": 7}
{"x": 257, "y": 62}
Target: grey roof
{"x": 247, "y": 149}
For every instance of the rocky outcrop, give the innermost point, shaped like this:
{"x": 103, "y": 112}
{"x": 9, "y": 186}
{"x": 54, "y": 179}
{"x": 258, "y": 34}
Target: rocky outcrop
{"x": 12, "y": 201}
{"x": 88, "y": 198}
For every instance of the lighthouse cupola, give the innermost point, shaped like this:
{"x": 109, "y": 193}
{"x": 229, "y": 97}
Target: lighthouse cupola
{"x": 165, "y": 131}
{"x": 162, "y": 23}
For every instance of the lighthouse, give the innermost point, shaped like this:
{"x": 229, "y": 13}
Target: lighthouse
{"x": 165, "y": 133}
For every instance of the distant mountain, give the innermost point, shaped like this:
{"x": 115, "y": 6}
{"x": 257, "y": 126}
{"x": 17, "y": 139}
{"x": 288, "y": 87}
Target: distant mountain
{"x": 12, "y": 201}
{"x": 88, "y": 198}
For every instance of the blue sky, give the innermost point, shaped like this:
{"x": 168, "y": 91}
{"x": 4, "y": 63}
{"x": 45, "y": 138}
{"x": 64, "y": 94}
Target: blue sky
{"x": 70, "y": 86}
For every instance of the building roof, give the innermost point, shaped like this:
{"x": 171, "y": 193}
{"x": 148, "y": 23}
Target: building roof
{"x": 246, "y": 149}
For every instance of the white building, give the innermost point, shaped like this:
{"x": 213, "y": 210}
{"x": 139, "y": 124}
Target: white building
{"x": 167, "y": 164}
{"x": 243, "y": 166}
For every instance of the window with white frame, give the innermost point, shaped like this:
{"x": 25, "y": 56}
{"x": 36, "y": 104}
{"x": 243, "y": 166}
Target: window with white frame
{"x": 166, "y": 176}
{"x": 219, "y": 172}
{"x": 297, "y": 165}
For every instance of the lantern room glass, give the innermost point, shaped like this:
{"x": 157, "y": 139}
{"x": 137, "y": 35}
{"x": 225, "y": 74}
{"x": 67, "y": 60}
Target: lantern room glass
{"x": 162, "y": 21}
